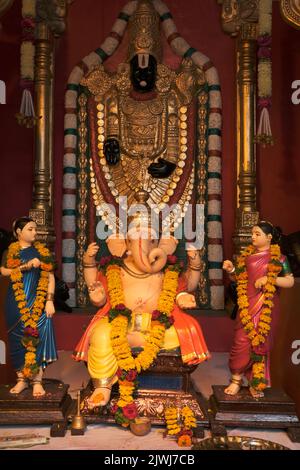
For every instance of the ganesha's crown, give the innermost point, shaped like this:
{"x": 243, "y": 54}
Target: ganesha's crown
{"x": 144, "y": 32}
{"x": 139, "y": 215}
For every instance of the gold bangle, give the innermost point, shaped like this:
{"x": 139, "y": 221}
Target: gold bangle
{"x": 198, "y": 268}
{"x": 86, "y": 266}
{"x": 50, "y": 296}
{"x": 24, "y": 267}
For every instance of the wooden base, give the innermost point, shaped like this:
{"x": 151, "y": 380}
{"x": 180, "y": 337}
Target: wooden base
{"x": 151, "y": 404}
{"x": 274, "y": 411}
{"x": 52, "y": 408}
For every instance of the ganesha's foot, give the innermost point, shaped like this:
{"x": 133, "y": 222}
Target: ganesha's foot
{"x": 99, "y": 397}
{"x": 234, "y": 387}
{"x": 256, "y": 393}
{"x": 102, "y": 392}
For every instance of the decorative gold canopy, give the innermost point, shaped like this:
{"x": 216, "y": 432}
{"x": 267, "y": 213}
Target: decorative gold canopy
{"x": 144, "y": 32}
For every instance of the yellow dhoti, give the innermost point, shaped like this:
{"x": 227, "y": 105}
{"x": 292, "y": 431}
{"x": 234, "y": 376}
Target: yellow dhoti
{"x": 102, "y": 363}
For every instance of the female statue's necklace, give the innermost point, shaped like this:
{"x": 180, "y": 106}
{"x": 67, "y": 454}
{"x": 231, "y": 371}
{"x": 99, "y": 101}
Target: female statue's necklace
{"x": 133, "y": 273}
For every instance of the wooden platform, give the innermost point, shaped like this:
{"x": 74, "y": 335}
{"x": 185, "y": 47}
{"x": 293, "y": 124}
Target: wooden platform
{"x": 150, "y": 403}
{"x": 274, "y": 411}
{"x": 52, "y": 408}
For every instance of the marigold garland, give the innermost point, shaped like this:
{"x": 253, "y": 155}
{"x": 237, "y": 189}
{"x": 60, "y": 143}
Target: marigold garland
{"x": 257, "y": 336}
{"x": 30, "y": 317}
{"x": 119, "y": 317}
{"x": 180, "y": 423}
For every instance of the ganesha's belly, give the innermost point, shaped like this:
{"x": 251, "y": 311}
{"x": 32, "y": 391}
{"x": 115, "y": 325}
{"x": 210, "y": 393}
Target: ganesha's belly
{"x": 142, "y": 295}
{"x": 141, "y": 300}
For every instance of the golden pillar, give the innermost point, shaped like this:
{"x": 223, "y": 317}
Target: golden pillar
{"x": 50, "y": 24}
{"x": 239, "y": 20}
{"x": 42, "y": 205}
{"x": 246, "y": 212}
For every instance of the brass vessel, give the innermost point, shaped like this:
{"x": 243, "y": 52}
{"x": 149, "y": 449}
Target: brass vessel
{"x": 140, "y": 426}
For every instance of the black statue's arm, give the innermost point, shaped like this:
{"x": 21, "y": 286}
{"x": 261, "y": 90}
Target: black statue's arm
{"x": 111, "y": 151}
{"x": 161, "y": 169}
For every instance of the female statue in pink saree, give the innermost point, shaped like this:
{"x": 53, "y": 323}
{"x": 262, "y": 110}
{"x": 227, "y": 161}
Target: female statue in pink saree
{"x": 259, "y": 272}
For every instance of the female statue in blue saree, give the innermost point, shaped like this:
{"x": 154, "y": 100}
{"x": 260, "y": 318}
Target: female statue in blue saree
{"x": 29, "y": 306}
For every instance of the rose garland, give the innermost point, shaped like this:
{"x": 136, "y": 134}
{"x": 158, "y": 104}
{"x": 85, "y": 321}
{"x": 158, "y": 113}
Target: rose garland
{"x": 30, "y": 317}
{"x": 26, "y": 117}
{"x": 180, "y": 424}
{"x": 119, "y": 316}
{"x": 264, "y": 76}
{"x": 257, "y": 336}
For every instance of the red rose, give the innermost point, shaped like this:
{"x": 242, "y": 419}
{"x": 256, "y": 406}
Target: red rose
{"x": 104, "y": 260}
{"x": 130, "y": 411}
{"x": 172, "y": 259}
{"x": 120, "y": 307}
{"x": 114, "y": 409}
{"x": 171, "y": 319}
{"x": 155, "y": 314}
{"x": 131, "y": 375}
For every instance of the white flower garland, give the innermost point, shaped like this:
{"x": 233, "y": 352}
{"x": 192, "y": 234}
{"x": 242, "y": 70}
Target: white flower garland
{"x": 26, "y": 116}
{"x": 264, "y": 72}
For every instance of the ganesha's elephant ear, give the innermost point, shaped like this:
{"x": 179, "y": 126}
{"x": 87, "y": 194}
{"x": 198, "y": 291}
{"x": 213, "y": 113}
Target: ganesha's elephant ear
{"x": 168, "y": 244}
{"x": 116, "y": 244}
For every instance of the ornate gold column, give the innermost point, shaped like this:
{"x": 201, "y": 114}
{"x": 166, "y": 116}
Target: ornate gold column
{"x": 246, "y": 213}
{"x": 239, "y": 19}
{"x": 50, "y": 24}
{"x": 41, "y": 207}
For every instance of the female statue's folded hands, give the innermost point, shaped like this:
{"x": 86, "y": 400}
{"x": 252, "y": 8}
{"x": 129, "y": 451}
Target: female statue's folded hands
{"x": 261, "y": 282}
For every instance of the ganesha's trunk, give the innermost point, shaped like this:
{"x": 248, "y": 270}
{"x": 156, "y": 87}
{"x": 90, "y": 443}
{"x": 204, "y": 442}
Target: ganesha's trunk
{"x": 151, "y": 262}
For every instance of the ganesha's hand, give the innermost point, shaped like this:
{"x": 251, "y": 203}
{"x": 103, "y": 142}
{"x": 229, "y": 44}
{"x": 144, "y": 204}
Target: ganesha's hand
{"x": 49, "y": 308}
{"x": 261, "y": 282}
{"x": 97, "y": 293}
{"x": 185, "y": 300}
{"x": 91, "y": 252}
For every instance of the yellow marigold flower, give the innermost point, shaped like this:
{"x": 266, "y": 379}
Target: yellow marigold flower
{"x": 255, "y": 341}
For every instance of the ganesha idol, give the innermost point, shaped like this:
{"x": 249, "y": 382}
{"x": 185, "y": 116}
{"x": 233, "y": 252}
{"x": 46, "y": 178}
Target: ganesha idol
{"x": 141, "y": 291}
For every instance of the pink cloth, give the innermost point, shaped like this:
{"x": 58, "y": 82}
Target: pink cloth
{"x": 240, "y": 361}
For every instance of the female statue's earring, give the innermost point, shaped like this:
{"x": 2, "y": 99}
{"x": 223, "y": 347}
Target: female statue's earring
{"x": 128, "y": 252}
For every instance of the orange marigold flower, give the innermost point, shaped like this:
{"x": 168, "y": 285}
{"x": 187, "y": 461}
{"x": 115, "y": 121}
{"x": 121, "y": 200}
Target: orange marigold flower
{"x": 184, "y": 441}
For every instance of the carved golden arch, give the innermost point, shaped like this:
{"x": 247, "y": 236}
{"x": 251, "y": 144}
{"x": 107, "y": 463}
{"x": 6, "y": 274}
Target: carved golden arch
{"x": 239, "y": 19}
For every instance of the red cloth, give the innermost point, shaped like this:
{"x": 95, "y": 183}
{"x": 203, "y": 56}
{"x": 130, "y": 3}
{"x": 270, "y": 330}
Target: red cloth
{"x": 191, "y": 339}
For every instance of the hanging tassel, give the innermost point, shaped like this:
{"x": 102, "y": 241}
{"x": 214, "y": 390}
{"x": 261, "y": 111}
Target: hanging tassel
{"x": 26, "y": 117}
{"x": 264, "y": 132}
{"x": 264, "y": 75}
